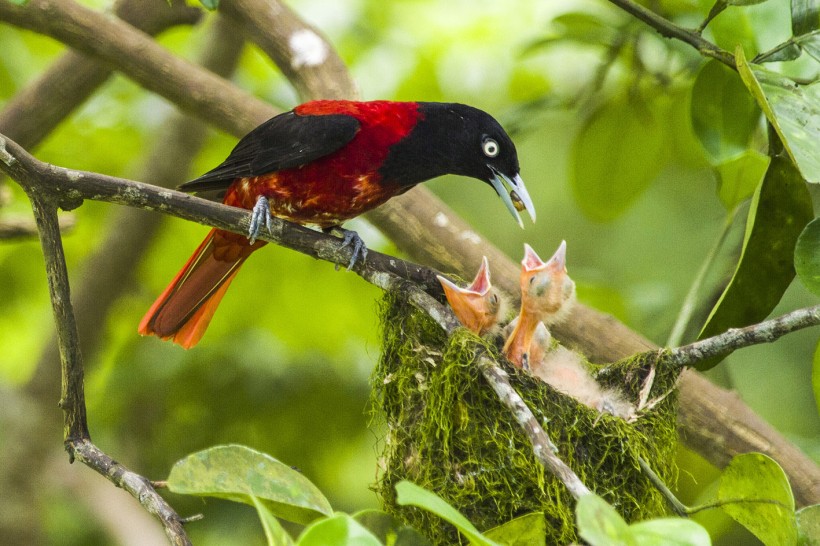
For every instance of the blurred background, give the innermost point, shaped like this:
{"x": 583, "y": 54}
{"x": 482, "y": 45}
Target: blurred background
{"x": 588, "y": 93}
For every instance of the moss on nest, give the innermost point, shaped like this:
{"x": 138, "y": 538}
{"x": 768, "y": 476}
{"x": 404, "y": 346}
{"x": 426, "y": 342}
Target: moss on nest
{"x": 445, "y": 430}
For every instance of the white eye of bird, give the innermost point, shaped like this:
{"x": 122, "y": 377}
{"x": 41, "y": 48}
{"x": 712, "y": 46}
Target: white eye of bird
{"x": 490, "y": 147}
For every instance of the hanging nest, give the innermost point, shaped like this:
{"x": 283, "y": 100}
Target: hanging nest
{"x": 445, "y": 430}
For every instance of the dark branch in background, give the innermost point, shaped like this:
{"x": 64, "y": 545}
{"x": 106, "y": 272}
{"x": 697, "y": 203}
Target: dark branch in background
{"x": 668, "y": 29}
{"x": 417, "y": 220}
{"x": 15, "y": 228}
{"x": 130, "y": 234}
{"x": 72, "y": 398}
{"x": 381, "y": 270}
{"x": 69, "y": 188}
{"x": 119, "y": 45}
{"x": 35, "y": 111}
{"x": 315, "y": 70}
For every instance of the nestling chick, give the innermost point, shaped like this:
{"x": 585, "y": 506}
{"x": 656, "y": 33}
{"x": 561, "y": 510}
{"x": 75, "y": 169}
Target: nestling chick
{"x": 547, "y": 294}
{"x": 478, "y": 306}
{"x": 566, "y": 372}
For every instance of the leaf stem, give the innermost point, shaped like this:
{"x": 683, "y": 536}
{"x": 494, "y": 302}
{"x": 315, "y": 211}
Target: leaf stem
{"x": 690, "y": 301}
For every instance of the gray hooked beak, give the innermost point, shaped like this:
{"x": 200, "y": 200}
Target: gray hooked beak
{"x": 514, "y": 194}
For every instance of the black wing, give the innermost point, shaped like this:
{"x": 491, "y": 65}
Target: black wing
{"x": 283, "y": 142}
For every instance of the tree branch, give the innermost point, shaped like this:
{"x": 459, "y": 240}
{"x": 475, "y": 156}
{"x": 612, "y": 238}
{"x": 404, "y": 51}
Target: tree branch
{"x": 381, "y": 270}
{"x": 429, "y": 224}
{"x": 737, "y": 338}
{"x": 300, "y": 51}
{"x": 69, "y": 188}
{"x": 25, "y": 228}
{"x": 119, "y": 45}
{"x": 36, "y": 110}
{"x": 668, "y": 29}
{"x": 72, "y": 399}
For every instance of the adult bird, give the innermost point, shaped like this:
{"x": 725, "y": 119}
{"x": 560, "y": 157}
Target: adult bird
{"x": 320, "y": 164}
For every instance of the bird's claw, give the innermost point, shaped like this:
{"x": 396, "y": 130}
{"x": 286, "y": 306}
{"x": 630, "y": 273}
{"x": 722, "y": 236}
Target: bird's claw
{"x": 259, "y": 216}
{"x": 359, "y": 250}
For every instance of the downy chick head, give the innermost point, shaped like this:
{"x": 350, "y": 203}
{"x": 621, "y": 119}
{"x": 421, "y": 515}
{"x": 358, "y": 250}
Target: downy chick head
{"x": 478, "y": 306}
{"x": 547, "y": 291}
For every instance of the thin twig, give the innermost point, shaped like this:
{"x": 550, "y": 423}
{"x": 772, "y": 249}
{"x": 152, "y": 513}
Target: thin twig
{"x": 737, "y": 338}
{"x": 690, "y": 301}
{"x": 72, "y": 399}
{"x": 668, "y": 29}
{"x": 138, "y": 486}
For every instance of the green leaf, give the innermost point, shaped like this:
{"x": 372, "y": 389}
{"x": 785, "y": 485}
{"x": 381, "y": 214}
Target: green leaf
{"x": 670, "y": 532}
{"x": 805, "y": 16}
{"x": 408, "y": 493}
{"x": 756, "y": 477}
{"x": 787, "y": 51}
{"x": 615, "y": 157}
{"x": 807, "y": 257}
{"x": 19, "y": 2}
{"x": 210, "y": 5}
{"x": 733, "y": 29}
{"x": 810, "y": 43}
{"x": 238, "y": 473}
{"x": 738, "y": 177}
{"x": 583, "y": 28}
{"x": 339, "y": 530}
{"x": 600, "y": 525}
{"x": 390, "y": 529}
{"x": 780, "y": 208}
{"x": 274, "y": 532}
{"x": 793, "y": 111}
{"x": 724, "y": 115}
{"x": 815, "y": 376}
{"x": 808, "y": 526}
{"x": 521, "y": 531}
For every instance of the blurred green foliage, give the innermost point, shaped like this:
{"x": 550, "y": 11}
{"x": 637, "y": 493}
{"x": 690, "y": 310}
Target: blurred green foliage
{"x": 587, "y": 91}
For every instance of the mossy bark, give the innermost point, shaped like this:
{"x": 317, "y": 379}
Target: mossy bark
{"x": 445, "y": 430}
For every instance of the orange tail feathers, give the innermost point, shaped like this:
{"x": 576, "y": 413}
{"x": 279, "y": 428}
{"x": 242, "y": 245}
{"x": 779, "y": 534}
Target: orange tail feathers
{"x": 185, "y": 308}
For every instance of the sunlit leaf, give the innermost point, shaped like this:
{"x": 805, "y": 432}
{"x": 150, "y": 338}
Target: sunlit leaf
{"x": 521, "y": 531}
{"x": 615, "y": 157}
{"x": 780, "y": 208}
{"x": 274, "y": 532}
{"x": 733, "y": 29}
{"x": 339, "y": 530}
{"x": 389, "y": 529}
{"x": 584, "y": 28}
{"x": 810, "y": 43}
{"x": 808, "y": 526}
{"x": 787, "y": 51}
{"x": 724, "y": 115}
{"x": 670, "y": 532}
{"x": 600, "y": 525}
{"x": 807, "y": 257}
{"x": 738, "y": 177}
{"x": 805, "y": 16}
{"x": 794, "y": 112}
{"x": 408, "y": 493}
{"x": 237, "y": 472}
{"x": 756, "y": 477}
{"x": 815, "y": 377}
